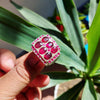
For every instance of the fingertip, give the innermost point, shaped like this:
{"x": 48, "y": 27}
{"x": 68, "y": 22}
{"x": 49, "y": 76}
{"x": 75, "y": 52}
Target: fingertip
{"x": 25, "y": 89}
{"x": 40, "y": 81}
{"x": 1, "y": 73}
{"x": 21, "y": 97}
{"x": 7, "y": 60}
{"x": 33, "y": 94}
{"x": 33, "y": 65}
{"x": 7, "y": 65}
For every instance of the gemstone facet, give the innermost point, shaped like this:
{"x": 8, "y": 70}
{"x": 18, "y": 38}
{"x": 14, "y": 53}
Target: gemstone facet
{"x": 45, "y": 39}
{"x": 42, "y": 50}
{"x": 54, "y": 49}
{"x": 49, "y": 44}
{"x": 38, "y": 44}
{"x": 47, "y": 55}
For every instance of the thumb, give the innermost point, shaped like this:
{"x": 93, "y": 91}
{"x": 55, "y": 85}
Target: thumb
{"x": 26, "y": 69}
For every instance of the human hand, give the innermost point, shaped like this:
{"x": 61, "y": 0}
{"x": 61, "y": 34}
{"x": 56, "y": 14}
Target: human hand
{"x": 16, "y": 76}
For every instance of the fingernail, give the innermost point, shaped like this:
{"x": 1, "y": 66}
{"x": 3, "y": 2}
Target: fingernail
{"x": 1, "y": 73}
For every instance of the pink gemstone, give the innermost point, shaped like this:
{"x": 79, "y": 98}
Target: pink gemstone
{"x": 47, "y": 56}
{"x": 52, "y": 59}
{"x": 45, "y": 62}
{"x": 45, "y": 39}
{"x": 49, "y": 61}
{"x": 42, "y": 50}
{"x": 54, "y": 49}
{"x": 58, "y": 53}
{"x": 49, "y": 49}
{"x": 33, "y": 48}
{"x": 49, "y": 45}
{"x": 38, "y": 44}
{"x": 35, "y": 51}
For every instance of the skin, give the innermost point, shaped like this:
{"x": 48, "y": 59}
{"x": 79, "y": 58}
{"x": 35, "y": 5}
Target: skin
{"x": 20, "y": 78}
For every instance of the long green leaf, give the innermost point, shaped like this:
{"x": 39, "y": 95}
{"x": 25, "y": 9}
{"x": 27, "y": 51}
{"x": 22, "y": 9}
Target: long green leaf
{"x": 34, "y": 18}
{"x": 69, "y": 58}
{"x": 94, "y": 44}
{"x": 70, "y": 21}
{"x": 92, "y": 10}
{"x": 18, "y": 32}
{"x": 89, "y": 92}
{"x": 97, "y": 73}
{"x": 59, "y": 77}
{"x": 72, "y": 94}
{"x": 98, "y": 96}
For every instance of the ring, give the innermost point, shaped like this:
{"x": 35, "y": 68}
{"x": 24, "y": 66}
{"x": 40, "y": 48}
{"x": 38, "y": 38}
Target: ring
{"x": 46, "y": 49}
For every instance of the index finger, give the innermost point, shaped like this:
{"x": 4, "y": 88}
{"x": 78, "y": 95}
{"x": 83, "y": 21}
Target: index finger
{"x": 31, "y": 64}
{"x": 25, "y": 70}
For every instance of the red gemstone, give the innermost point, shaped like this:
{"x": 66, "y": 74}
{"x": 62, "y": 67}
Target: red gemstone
{"x": 45, "y": 39}
{"x": 54, "y": 49}
{"x": 42, "y": 50}
{"x": 38, "y": 44}
{"x": 49, "y": 45}
{"x": 47, "y": 56}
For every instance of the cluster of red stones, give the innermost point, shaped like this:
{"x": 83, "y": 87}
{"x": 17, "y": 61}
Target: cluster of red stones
{"x": 46, "y": 49}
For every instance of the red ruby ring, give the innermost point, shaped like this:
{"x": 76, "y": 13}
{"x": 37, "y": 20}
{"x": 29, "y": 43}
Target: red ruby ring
{"x": 46, "y": 49}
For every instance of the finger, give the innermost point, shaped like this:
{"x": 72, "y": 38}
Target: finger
{"x": 15, "y": 80}
{"x": 40, "y": 81}
{"x": 7, "y": 60}
{"x": 32, "y": 65}
{"x": 1, "y": 73}
{"x": 21, "y": 97}
{"x": 25, "y": 89}
{"x": 33, "y": 94}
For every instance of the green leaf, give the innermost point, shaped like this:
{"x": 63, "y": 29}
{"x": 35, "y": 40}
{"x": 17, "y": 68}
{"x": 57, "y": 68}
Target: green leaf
{"x": 18, "y": 32}
{"x": 94, "y": 44}
{"x": 69, "y": 17}
{"x": 59, "y": 77}
{"x": 92, "y": 10}
{"x": 97, "y": 73}
{"x": 89, "y": 92}
{"x": 72, "y": 94}
{"x": 34, "y": 18}
{"x": 96, "y": 79}
{"x": 69, "y": 58}
{"x": 98, "y": 96}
